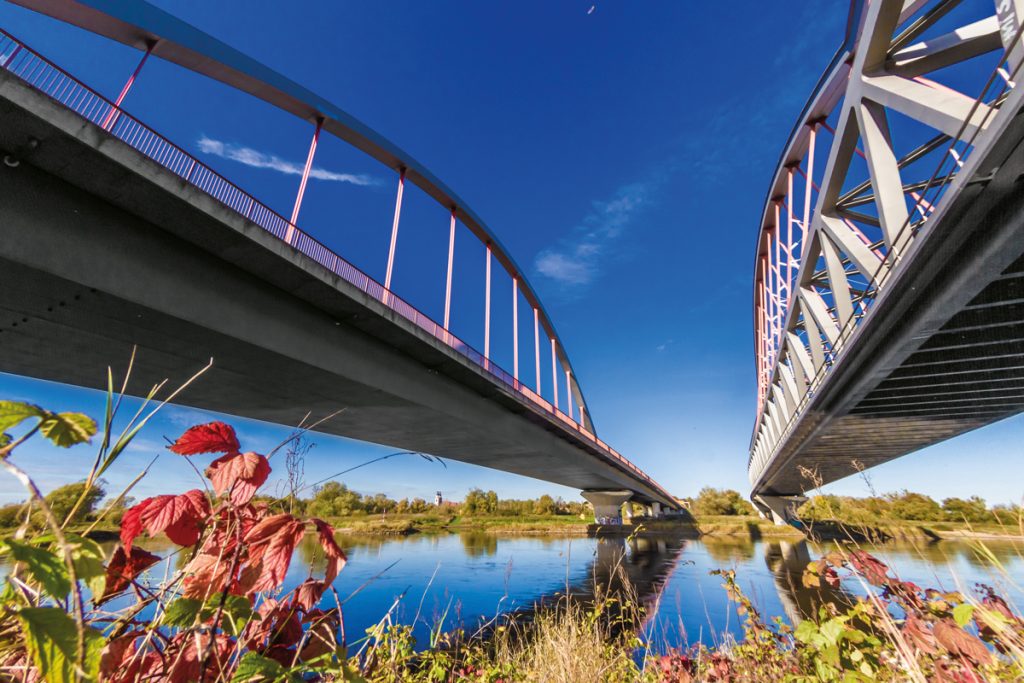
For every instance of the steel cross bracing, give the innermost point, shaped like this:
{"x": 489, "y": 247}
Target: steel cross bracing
{"x": 160, "y": 35}
{"x": 880, "y": 150}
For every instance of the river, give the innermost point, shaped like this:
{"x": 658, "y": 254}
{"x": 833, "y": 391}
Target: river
{"x": 463, "y": 578}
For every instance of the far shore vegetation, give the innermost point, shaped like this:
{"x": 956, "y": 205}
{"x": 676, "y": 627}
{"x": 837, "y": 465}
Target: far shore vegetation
{"x": 713, "y": 512}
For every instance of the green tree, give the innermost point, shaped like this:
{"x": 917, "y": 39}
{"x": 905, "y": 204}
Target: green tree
{"x": 973, "y": 509}
{"x": 475, "y": 502}
{"x": 334, "y": 499}
{"x": 915, "y": 507}
{"x": 545, "y": 505}
{"x": 62, "y": 500}
{"x": 11, "y": 516}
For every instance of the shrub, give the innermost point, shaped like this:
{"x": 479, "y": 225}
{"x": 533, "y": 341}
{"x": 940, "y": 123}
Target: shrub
{"x": 712, "y": 501}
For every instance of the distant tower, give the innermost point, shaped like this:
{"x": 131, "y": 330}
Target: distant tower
{"x": 438, "y": 499}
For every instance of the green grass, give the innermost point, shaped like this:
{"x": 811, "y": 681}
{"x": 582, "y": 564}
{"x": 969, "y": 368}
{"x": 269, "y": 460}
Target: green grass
{"x": 401, "y": 524}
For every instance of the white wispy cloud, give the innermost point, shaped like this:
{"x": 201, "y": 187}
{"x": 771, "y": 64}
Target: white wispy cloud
{"x": 577, "y": 259}
{"x": 257, "y": 159}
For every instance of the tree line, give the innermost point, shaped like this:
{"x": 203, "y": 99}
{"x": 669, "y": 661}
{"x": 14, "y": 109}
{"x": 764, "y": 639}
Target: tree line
{"x": 907, "y": 506}
{"x": 899, "y": 506}
{"x": 333, "y": 499}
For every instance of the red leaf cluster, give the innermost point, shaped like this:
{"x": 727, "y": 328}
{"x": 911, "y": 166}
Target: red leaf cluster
{"x": 215, "y": 437}
{"x": 244, "y": 550}
{"x": 181, "y": 517}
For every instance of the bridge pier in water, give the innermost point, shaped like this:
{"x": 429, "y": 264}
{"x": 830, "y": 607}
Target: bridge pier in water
{"x": 607, "y": 505}
{"x": 780, "y": 509}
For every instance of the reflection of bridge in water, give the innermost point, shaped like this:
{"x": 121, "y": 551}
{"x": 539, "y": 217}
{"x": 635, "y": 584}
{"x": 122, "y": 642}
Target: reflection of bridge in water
{"x": 633, "y": 571}
{"x": 787, "y": 562}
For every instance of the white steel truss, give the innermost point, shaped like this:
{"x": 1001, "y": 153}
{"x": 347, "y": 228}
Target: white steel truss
{"x": 899, "y": 124}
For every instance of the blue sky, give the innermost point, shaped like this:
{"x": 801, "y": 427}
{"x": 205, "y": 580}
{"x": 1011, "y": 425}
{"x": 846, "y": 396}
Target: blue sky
{"x": 621, "y": 154}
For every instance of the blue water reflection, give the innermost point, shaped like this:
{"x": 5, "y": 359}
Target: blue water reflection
{"x": 462, "y": 579}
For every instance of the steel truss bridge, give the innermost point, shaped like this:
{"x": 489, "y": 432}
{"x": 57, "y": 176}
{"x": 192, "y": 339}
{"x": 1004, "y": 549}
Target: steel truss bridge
{"x": 292, "y": 324}
{"x": 889, "y": 273}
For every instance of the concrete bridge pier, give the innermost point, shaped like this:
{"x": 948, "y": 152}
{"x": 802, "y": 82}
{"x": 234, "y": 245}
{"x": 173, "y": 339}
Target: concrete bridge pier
{"x": 607, "y": 505}
{"x": 780, "y": 509}
{"x": 653, "y": 510}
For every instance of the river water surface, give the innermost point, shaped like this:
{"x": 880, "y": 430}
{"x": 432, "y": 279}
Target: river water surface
{"x": 463, "y": 578}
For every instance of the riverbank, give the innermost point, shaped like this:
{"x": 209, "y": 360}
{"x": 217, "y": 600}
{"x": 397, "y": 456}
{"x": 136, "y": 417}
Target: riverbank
{"x": 407, "y": 524}
{"x": 719, "y": 526}
{"x": 731, "y": 526}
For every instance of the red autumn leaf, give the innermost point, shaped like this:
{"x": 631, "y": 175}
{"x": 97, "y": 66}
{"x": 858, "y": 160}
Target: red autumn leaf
{"x": 180, "y": 517}
{"x": 239, "y": 473}
{"x": 215, "y": 437}
{"x": 123, "y": 567}
{"x": 189, "y": 654}
{"x": 320, "y": 639}
{"x": 308, "y": 594}
{"x": 271, "y": 544}
{"x": 131, "y": 522}
{"x": 118, "y": 658}
{"x": 335, "y": 555}
{"x": 207, "y": 575}
{"x": 870, "y": 567}
{"x": 961, "y": 643}
{"x": 917, "y": 633}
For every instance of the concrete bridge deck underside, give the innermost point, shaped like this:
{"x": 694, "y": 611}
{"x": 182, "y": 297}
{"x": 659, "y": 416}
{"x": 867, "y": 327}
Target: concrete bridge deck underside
{"x": 103, "y": 249}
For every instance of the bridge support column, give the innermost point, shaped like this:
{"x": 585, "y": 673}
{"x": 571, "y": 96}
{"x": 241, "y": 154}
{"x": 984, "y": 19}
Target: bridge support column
{"x": 607, "y": 505}
{"x": 653, "y": 510}
{"x": 780, "y": 509}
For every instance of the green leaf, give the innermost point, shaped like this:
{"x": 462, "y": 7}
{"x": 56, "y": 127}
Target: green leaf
{"x": 5, "y": 439}
{"x": 44, "y": 566}
{"x": 182, "y": 612}
{"x": 13, "y": 413}
{"x": 805, "y": 631}
{"x": 87, "y": 557}
{"x": 254, "y": 667}
{"x": 68, "y": 429}
{"x": 831, "y": 630}
{"x": 52, "y": 642}
{"x": 237, "y": 612}
{"x": 963, "y": 614}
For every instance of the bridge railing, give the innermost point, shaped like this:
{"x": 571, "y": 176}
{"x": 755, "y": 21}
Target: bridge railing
{"x": 957, "y": 150}
{"x": 53, "y": 81}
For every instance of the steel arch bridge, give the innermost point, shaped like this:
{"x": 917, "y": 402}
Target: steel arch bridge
{"x": 154, "y": 33}
{"x": 888, "y": 275}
